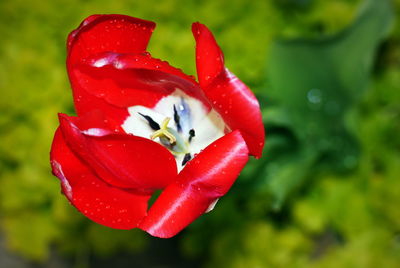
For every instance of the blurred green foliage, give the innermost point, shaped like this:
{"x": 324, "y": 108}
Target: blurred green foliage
{"x": 327, "y": 74}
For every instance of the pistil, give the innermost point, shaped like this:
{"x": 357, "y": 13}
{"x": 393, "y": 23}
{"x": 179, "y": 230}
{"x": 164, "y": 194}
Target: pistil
{"x": 164, "y": 132}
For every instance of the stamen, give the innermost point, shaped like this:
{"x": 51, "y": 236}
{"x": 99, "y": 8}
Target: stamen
{"x": 191, "y": 134}
{"x": 177, "y": 120}
{"x": 164, "y": 132}
{"x": 186, "y": 158}
{"x": 153, "y": 124}
{"x": 183, "y": 113}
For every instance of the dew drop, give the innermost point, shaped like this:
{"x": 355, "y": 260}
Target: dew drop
{"x": 314, "y": 96}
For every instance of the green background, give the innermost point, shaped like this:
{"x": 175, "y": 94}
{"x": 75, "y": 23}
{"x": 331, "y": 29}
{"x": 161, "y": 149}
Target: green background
{"x": 325, "y": 194}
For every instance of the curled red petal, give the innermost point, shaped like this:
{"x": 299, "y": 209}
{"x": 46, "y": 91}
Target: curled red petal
{"x": 209, "y": 57}
{"x": 97, "y": 200}
{"x": 96, "y": 120}
{"x": 204, "y": 179}
{"x": 104, "y": 33}
{"x": 229, "y": 96}
{"x": 112, "y": 33}
{"x": 239, "y": 108}
{"x": 86, "y": 102}
{"x": 124, "y": 80}
{"x": 121, "y": 160}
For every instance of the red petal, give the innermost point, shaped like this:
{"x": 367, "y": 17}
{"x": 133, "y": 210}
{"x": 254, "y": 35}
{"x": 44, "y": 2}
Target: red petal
{"x": 239, "y": 108}
{"x": 96, "y": 120}
{"x": 229, "y": 96}
{"x": 97, "y": 200}
{"x": 209, "y": 57}
{"x": 121, "y": 160}
{"x": 112, "y": 33}
{"x": 124, "y": 80}
{"x": 203, "y": 180}
{"x": 85, "y": 102}
{"x": 100, "y": 33}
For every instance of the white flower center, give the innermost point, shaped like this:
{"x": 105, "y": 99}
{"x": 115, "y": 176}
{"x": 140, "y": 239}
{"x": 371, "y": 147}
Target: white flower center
{"x": 191, "y": 125}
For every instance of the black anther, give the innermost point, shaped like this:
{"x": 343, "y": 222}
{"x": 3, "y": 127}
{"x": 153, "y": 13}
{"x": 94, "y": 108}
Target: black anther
{"x": 186, "y": 158}
{"x": 177, "y": 120}
{"x": 153, "y": 124}
{"x": 191, "y": 134}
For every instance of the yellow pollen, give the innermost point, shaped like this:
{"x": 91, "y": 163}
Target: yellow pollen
{"x": 163, "y": 132}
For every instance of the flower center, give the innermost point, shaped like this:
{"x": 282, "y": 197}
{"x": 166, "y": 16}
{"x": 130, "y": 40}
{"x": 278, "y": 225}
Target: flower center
{"x": 192, "y": 129}
{"x": 165, "y": 132}
{"x": 171, "y": 138}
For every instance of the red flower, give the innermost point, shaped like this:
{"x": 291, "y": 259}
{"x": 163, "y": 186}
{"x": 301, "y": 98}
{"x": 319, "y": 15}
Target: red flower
{"x": 144, "y": 125}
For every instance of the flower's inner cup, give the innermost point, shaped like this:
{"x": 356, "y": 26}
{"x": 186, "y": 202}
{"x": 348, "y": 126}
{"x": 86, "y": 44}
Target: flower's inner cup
{"x": 179, "y": 122}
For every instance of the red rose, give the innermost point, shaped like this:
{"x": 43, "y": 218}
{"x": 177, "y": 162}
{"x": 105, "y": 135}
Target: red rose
{"x": 144, "y": 125}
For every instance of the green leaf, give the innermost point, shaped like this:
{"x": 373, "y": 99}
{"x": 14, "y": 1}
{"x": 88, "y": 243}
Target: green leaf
{"x": 314, "y": 83}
